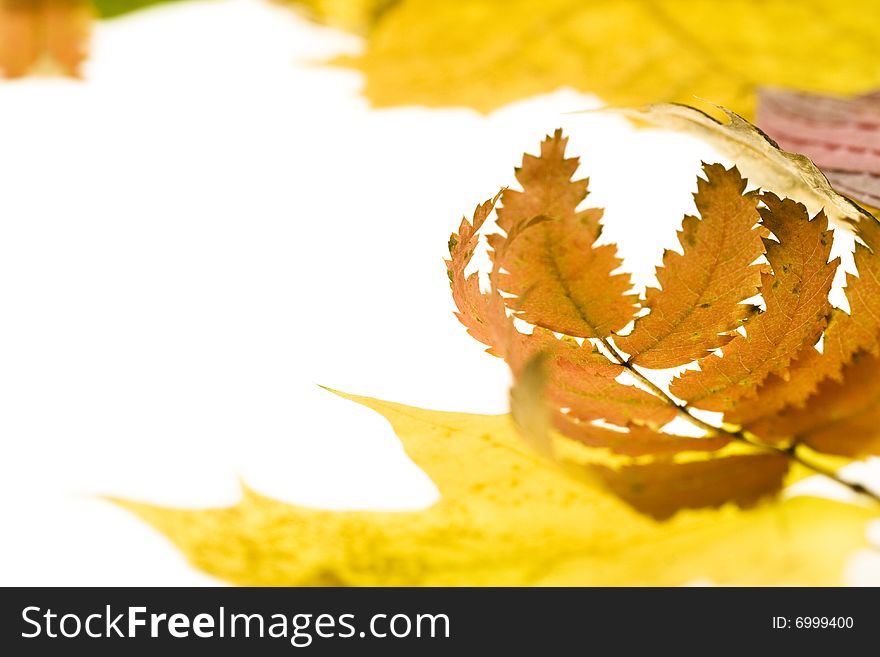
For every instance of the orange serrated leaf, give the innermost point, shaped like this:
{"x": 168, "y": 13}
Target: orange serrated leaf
{"x": 482, "y": 314}
{"x": 796, "y": 294}
{"x": 507, "y": 517}
{"x": 842, "y": 417}
{"x": 662, "y": 489}
{"x": 633, "y": 440}
{"x": 845, "y": 336}
{"x": 699, "y": 301}
{"x": 582, "y": 379}
{"x": 485, "y": 54}
{"x": 559, "y": 278}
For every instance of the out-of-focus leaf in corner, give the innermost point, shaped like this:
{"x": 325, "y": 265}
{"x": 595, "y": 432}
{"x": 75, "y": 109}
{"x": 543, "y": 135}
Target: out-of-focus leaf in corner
{"x": 841, "y": 135}
{"x": 44, "y": 36}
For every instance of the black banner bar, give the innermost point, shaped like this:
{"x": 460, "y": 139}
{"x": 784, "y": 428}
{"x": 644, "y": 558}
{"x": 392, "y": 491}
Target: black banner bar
{"x": 230, "y": 621}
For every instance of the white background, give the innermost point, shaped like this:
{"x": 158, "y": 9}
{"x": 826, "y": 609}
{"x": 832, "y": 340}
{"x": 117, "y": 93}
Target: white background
{"x": 210, "y": 225}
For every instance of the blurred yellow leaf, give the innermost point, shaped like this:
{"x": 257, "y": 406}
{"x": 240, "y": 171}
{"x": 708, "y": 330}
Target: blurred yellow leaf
{"x": 487, "y": 53}
{"x": 507, "y": 517}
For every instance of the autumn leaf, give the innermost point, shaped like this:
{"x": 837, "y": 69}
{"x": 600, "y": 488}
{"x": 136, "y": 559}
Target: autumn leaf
{"x": 585, "y": 382}
{"x": 507, "y": 517}
{"x": 43, "y": 36}
{"x": 54, "y": 36}
{"x": 559, "y": 278}
{"x": 796, "y": 294}
{"x": 699, "y": 301}
{"x": 582, "y": 483}
{"x": 741, "y": 479}
{"x": 758, "y": 158}
{"x": 581, "y": 378}
{"x": 842, "y": 417}
{"x": 635, "y": 440}
{"x": 482, "y": 314}
{"x": 687, "y": 473}
{"x": 570, "y": 389}
{"x": 840, "y": 134}
{"x": 846, "y": 335}
{"x": 487, "y": 53}
{"x": 39, "y": 36}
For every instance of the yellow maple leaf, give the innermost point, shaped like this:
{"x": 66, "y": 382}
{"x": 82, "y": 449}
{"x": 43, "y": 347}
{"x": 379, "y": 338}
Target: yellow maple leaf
{"x": 487, "y": 53}
{"x": 507, "y": 517}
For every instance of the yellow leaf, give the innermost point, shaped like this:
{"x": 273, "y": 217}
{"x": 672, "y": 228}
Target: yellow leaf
{"x": 574, "y": 399}
{"x": 486, "y": 53}
{"x": 507, "y": 517}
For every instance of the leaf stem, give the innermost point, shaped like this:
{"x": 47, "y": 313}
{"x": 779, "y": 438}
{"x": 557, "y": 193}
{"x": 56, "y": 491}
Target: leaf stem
{"x": 686, "y": 412}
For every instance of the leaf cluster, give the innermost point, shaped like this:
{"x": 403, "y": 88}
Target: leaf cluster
{"x": 741, "y": 315}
